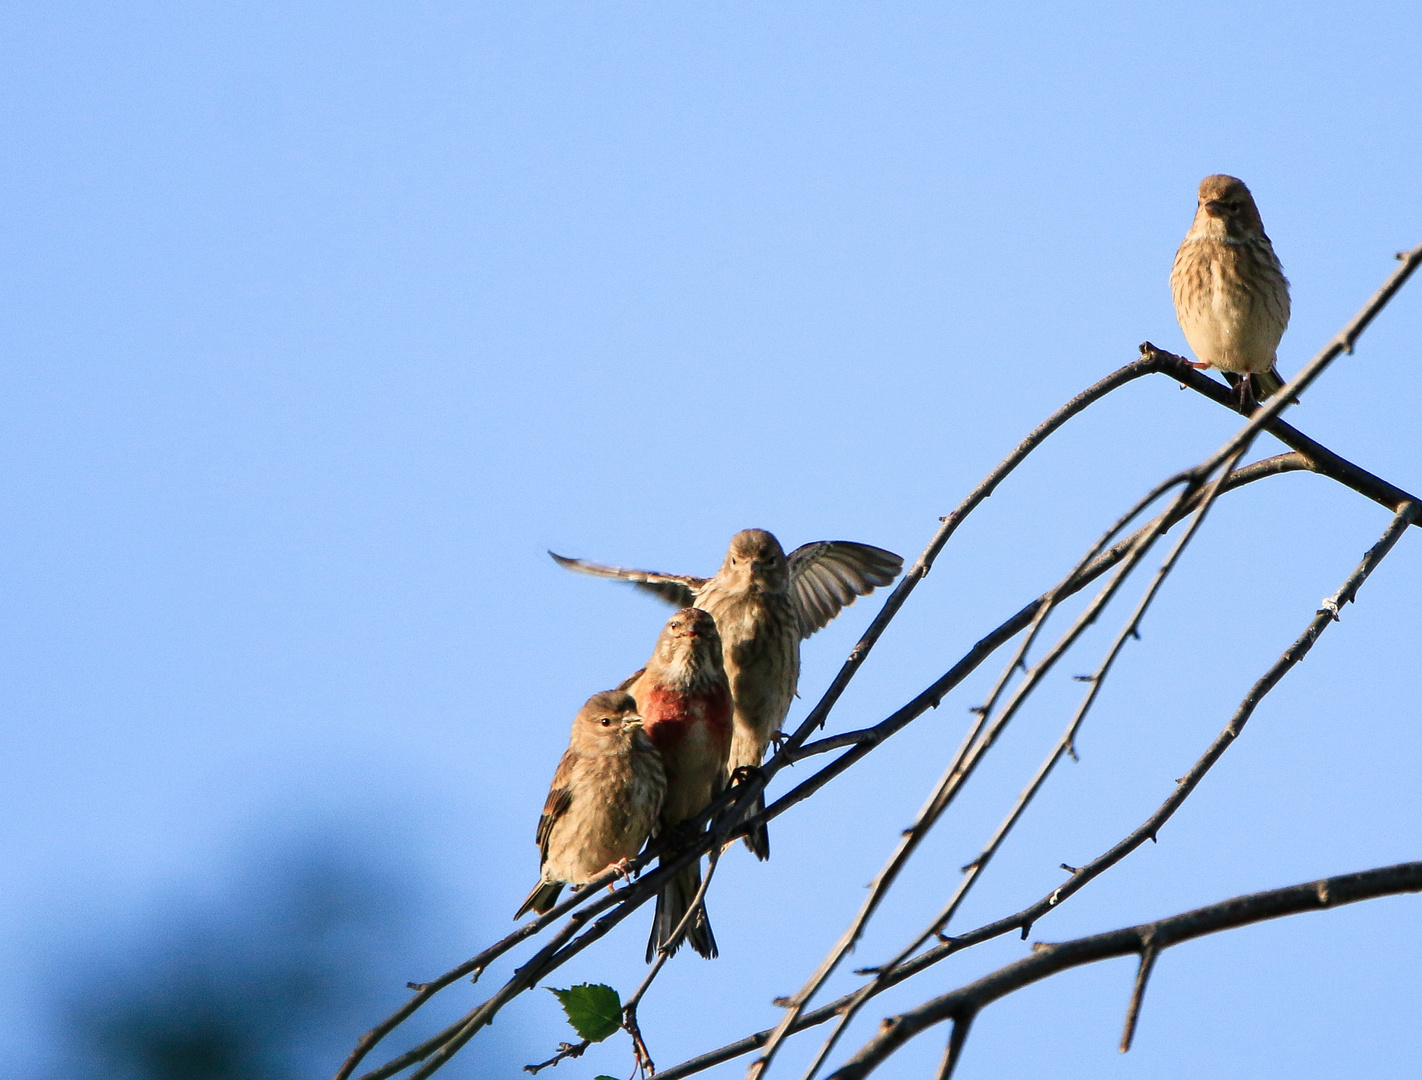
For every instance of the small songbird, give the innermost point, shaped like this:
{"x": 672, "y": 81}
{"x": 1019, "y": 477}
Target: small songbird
{"x": 1231, "y": 297}
{"x": 606, "y": 798}
{"x": 764, "y": 604}
{"x": 685, "y": 703}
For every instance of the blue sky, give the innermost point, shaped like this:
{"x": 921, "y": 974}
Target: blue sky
{"x": 323, "y": 322}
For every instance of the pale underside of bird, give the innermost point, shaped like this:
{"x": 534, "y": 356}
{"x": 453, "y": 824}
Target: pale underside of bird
{"x": 1231, "y": 296}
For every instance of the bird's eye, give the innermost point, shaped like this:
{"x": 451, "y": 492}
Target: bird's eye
{"x": 607, "y": 721}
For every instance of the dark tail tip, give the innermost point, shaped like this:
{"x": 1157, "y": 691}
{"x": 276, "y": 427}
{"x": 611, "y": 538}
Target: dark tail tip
{"x": 541, "y": 899}
{"x": 759, "y": 843}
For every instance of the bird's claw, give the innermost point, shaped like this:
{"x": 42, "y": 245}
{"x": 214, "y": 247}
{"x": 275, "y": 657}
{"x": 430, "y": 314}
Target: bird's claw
{"x": 742, "y": 774}
{"x": 620, "y": 869}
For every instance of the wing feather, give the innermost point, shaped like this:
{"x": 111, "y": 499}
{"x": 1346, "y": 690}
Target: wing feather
{"x": 560, "y": 797}
{"x": 679, "y": 590}
{"x": 827, "y": 576}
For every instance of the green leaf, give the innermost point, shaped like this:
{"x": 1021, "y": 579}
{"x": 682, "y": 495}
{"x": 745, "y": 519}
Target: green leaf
{"x": 594, "y": 1009}
{"x": 604, "y": 1076}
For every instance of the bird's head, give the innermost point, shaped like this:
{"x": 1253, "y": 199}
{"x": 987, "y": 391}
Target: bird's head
{"x": 690, "y": 640}
{"x": 607, "y": 723}
{"x": 756, "y": 558}
{"x": 1226, "y": 209}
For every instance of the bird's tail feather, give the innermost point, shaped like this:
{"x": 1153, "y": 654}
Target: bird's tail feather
{"x": 673, "y": 902}
{"x": 541, "y": 899}
{"x": 758, "y": 840}
{"x": 1267, "y": 383}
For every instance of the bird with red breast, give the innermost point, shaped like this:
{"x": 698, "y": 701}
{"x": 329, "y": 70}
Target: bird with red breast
{"x": 684, "y": 700}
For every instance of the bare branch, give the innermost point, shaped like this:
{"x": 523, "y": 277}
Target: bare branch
{"x": 1049, "y": 959}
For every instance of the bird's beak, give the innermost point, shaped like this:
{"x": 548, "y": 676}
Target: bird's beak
{"x": 629, "y": 723}
{"x": 1215, "y": 208}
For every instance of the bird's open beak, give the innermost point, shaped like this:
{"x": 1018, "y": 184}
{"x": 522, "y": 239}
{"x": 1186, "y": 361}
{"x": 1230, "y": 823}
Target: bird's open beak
{"x": 630, "y": 722}
{"x": 1215, "y": 208}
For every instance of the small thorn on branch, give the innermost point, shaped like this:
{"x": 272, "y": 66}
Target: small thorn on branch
{"x": 1136, "y": 630}
{"x": 1084, "y": 678}
{"x": 1026, "y": 929}
{"x": 1071, "y": 869}
{"x": 980, "y": 710}
{"x": 783, "y": 1002}
{"x": 417, "y": 987}
{"x": 972, "y": 865}
{"x": 865, "y": 971}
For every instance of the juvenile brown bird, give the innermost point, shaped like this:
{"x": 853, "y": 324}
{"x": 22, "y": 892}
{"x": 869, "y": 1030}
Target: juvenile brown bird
{"x": 606, "y": 798}
{"x": 1231, "y": 297}
{"x": 764, "y": 605}
{"x": 685, "y": 702}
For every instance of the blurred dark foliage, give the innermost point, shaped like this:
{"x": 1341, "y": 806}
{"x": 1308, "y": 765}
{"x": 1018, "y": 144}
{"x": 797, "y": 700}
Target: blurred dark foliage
{"x": 272, "y": 978}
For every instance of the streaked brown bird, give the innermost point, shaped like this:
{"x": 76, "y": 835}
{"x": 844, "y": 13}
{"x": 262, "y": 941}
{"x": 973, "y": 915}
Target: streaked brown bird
{"x": 765, "y": 604}
{"x": 685, "y": 703}
{"x": 1231, "y": 297}
{"x": 606, "y": 798}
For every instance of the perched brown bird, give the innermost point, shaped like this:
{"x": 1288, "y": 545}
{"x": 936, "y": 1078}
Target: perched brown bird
{"x": 1231, "y": 297}
{"x": 764, "y": 605}
{"x": 606, "y": 798}
{"x": 685, "y": 703}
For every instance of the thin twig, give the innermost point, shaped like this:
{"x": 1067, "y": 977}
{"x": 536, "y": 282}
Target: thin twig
{"x": 956, "y": 1038}
{"x": 1149, "y": 953}
{"x": 566, "y": 1052}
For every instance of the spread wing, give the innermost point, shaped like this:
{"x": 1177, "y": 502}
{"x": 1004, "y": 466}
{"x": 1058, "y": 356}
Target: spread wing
{"x": 560, "y": 797}
{"x": 827, "y": 575}
{"x": 676, "y": 589}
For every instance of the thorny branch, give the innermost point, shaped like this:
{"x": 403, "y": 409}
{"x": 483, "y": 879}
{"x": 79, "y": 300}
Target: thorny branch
{"x": 568, "y": 941}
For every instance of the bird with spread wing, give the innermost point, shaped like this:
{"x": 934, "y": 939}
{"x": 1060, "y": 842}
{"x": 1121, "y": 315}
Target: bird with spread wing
{"x": 765, "y": 603}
